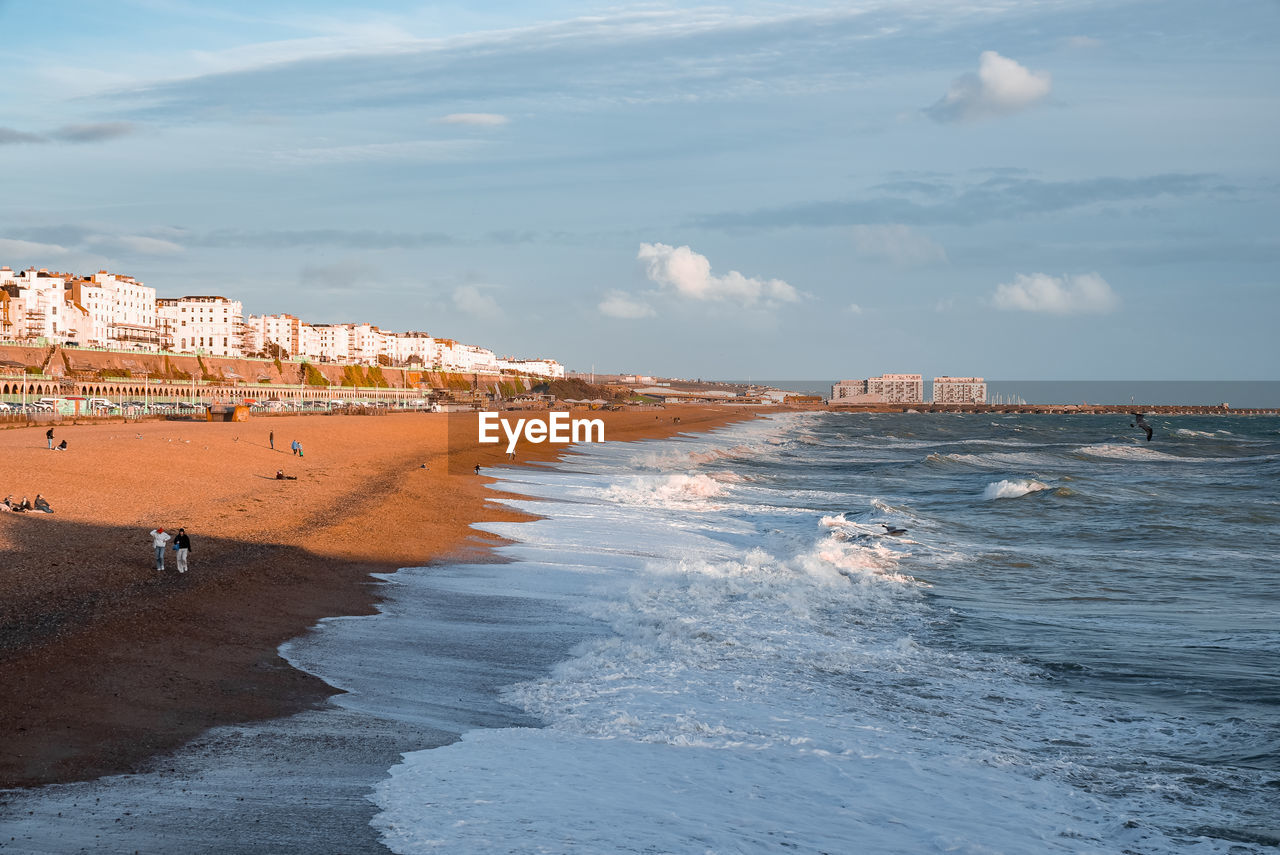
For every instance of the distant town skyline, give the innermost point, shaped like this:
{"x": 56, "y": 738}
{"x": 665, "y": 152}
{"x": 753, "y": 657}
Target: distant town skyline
{"x": 1042, "y": 189}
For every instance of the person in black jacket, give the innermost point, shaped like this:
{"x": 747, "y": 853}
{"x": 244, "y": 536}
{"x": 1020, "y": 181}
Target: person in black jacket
{"x": 182, "y": 544}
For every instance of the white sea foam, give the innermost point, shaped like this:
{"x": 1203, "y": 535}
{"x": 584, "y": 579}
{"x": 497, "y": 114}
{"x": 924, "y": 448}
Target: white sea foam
{"x": 717, "y": 715}
{"x": 686, "y": 490}
{"x": 1012, "y": 489}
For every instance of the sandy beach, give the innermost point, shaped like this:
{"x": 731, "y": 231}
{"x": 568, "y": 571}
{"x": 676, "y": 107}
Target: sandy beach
{"x": 107, "y": 662}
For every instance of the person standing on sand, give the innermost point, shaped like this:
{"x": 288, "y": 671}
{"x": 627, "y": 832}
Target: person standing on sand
{"x": 49, "y": 436}
{"x": 183, "y": 544}
{"x": 160, "y": 539}
{"x": 271, "y": 438}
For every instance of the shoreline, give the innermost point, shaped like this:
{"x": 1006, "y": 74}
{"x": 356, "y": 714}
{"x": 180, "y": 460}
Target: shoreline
{"x": 109, "y": 664}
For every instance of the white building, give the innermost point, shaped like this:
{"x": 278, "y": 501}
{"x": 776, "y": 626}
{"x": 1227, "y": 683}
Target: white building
{"x": 283, "y": 330}
{"x": 535, "y": 367}
{"x": 332, "y": 343}
{"x": 411, "y": 348}
{"x": 127, "y": 310}
{"x": 36, "y": 303}
{"x": 472, "y": 358}
{"x": 885, "y": 389}
{"x": 898, "y": 388}
{"x": 121, "y": 313}
{"x": 959, "y": 390}
{"x": 205, "y": 325}
{"x": 853, "y": 392}
{"x": 366, "y": 343}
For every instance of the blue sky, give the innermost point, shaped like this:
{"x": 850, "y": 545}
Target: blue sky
{"x": 1019, "y": 190}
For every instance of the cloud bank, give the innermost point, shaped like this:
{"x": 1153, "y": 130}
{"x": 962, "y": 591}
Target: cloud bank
{"x": 91, "y": 133}
{"x": 1000, "y": 87}
{"x": 1085, "y": 294}
{"x": 681, "y": 271}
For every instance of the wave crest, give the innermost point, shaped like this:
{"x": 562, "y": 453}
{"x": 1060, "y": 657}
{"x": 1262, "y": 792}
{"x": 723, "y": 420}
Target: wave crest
{"x": 1013, "y": 488}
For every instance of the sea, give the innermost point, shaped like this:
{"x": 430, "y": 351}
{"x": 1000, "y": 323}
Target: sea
{"x": 807, "y": 633}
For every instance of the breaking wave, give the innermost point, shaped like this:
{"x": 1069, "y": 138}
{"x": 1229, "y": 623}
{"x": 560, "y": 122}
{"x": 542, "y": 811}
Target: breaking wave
{"x": 1012, "y": 489}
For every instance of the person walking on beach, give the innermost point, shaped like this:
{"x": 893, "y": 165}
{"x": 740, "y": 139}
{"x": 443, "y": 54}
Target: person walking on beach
{"x": 49, "y": 436}
{"x": 182, "y": 544}
{"x": 271, "y": 438}
{"x": 160, "y": 539}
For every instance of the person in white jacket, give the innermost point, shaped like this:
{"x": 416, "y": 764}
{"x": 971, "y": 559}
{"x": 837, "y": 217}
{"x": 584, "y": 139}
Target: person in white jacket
{"x": 160, "y": 539}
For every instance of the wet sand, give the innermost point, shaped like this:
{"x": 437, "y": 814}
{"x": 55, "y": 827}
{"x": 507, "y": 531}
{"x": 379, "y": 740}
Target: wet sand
{"x": 108, "y": 664}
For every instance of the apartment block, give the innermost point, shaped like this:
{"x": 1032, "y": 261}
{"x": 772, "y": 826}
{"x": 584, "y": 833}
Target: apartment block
{"x": 205, "y": 325}
{"x": 959, "y": 390}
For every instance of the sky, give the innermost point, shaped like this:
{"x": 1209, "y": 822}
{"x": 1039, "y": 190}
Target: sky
{"x": 1016, "y": 190}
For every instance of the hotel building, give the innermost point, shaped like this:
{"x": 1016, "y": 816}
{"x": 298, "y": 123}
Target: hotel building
{"x": 205, "y": 325}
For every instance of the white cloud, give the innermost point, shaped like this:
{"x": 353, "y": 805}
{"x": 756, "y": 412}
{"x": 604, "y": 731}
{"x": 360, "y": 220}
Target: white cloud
{"x": 470, "y": 300}
{"x": 688, "y": 274}
{"x": 478, "y": 119}
{"x": 30, "y": 250}
{"x": 619, "y": 305}
{"x": 897, "y": 244}
{"x": 854, "y": 309}
{"x": 1000, "y": 87}
{"x": 1085, "y": 294}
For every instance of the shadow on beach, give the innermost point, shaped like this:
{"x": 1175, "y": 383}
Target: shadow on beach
{"x": 106, "y": 661}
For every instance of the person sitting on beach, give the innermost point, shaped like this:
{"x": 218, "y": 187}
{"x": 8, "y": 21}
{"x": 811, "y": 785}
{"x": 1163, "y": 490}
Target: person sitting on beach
{"x": 7, "y": 504}
{"x": 280, "y": 476}
{"x": 42, "y": 504}
{"x": 62, "y": 446}
{"x": 25, "y": 505}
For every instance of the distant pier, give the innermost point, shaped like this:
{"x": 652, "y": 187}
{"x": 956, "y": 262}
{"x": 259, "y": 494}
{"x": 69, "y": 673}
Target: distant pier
{"x": 1054, "y": 409}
